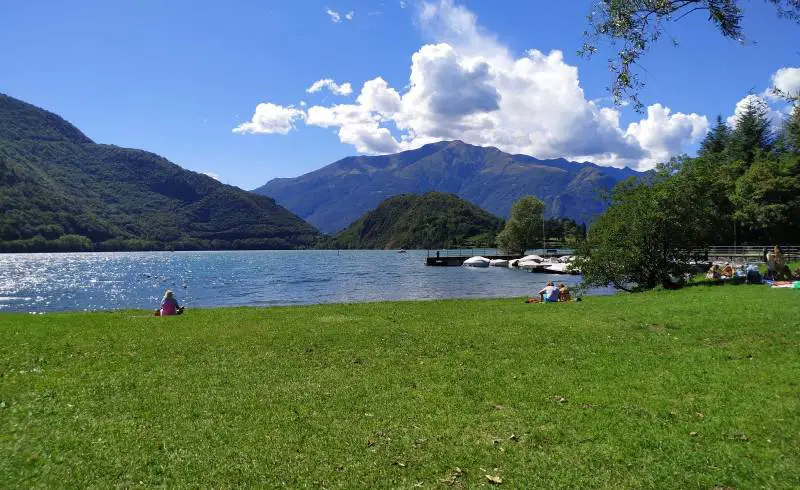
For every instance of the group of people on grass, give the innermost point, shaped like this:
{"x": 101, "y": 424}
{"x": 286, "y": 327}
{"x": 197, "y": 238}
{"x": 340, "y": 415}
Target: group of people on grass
{"x": 552, "y": 294}
{"x": 777, "y": 269}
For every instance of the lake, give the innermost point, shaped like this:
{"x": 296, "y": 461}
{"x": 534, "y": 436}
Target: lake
{"x": 99, "y": 281}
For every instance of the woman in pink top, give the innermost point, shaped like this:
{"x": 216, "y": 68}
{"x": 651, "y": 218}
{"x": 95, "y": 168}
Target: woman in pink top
{"x": 169, "y": 305}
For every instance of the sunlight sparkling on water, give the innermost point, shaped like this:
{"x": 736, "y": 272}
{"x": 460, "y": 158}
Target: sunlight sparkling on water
{"x": 98, "y": 281}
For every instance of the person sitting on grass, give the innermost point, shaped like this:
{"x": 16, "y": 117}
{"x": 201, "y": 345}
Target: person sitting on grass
{"x": 549, "y": 293}
{"x": 753, "y": 275}
{"x": 775, "y": 263}
{"x": 169, "y": 305}
{"x": 713, "y": 273}
{"x": 563, "y": 293}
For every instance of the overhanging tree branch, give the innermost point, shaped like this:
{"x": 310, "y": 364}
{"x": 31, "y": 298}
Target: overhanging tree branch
{"x": 636, "y": 24}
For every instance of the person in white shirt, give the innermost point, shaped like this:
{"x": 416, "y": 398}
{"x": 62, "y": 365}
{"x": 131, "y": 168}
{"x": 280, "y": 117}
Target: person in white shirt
{"x": 549, "y": 293}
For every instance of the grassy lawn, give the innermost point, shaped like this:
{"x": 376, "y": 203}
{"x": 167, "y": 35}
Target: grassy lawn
{"x": 698, "y": 388}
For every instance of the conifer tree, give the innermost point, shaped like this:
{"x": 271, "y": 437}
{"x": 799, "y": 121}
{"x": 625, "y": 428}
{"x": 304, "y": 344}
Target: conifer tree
{"x": 717, "y": 139}
{"x": 790, "y": 136}
{"x": 752, "y": 132}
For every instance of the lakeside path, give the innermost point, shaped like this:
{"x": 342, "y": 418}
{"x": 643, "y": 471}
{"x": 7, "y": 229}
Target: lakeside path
{"x": 687, "y": 389}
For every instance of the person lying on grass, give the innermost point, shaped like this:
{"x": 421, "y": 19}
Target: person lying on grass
{"x": 169, "y": 305}
{"x": 727, "y": 271}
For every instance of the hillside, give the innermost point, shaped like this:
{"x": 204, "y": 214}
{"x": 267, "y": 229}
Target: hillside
{"x": 61, "y": 191}
{"x": 334, "y": 196}
{"x": 430, "y": 220}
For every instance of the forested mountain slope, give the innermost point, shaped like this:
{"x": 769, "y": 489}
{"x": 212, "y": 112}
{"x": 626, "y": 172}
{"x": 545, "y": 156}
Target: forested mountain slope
{"x": 61, "y": 191}
{"x": 430, "y": 220}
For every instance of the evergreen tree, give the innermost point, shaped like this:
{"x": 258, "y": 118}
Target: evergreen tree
{"x": 767, "y": 198}
{"x": 717, "y": 139}
{"x": 790, "y": 136}
{"x": 752, "y": 132}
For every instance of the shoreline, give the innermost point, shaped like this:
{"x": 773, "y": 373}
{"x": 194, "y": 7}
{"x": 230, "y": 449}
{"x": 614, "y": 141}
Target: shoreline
{"x": 190, "y": 308}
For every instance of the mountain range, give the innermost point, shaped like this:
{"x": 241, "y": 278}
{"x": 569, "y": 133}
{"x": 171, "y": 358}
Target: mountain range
{"x": 59, "y": 190}
{"x": 334, "y": 196}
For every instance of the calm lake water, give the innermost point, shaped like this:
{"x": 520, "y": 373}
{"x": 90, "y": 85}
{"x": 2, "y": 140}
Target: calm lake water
{"x": 99, "y": 281}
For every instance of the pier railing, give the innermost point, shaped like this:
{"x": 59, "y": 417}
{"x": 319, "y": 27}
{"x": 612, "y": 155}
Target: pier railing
{"x": 484, "y": 252}
{"x": 746, "y": 253}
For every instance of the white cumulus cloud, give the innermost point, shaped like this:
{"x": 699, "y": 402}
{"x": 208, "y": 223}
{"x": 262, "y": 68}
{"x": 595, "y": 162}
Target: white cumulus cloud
{"x": 272, "y": 119}
{"x": 349, "y": 15}
{"x": 467, "y": 85}
{"x": 213, "y": 175}
{"x": 343, "y": 89}
{"x": 663, "y": 135}
{"x": 377, "y": 96}
{"x": 787, "y": 80}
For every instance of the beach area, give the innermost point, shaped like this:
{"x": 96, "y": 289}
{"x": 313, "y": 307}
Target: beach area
{"x": 696, "y": 388}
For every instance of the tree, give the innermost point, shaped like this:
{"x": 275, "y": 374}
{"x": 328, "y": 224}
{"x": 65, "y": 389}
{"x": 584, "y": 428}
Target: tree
{"x": 524, "y": 229}
{"x": 636, "y": 24}
{"x": 649, "y": 234}
{"x": 790, "y": 135}
{"x": 717, "y": 139}
{"x": 752, "y": 132}
{"x": 767, "y": 197}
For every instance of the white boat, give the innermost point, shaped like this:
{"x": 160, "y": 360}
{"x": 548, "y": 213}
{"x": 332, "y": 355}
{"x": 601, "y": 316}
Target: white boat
{"x": 476, "y": 261}
{"x": 498, "y": 263}
{"x": 556, "y": 268}
{"x": 532, "y": 258}
{"x": 560, "y": 269}
{"x": 532, "y": 265}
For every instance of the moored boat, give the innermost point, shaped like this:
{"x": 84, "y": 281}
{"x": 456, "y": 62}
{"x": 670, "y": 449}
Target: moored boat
{"x": 477, "y": 261}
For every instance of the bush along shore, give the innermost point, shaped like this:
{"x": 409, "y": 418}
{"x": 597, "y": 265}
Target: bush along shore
{"x": 696, "y": 388}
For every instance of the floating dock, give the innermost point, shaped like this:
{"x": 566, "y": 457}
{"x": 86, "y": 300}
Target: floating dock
{"x": 456, "y": 258}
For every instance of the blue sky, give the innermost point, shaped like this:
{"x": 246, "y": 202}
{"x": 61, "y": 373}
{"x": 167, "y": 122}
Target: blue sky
{"x": 178, "y": 77}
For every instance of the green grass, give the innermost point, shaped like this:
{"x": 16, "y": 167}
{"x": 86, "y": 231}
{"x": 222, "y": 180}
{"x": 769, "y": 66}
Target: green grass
{"x": 687, "y": 389}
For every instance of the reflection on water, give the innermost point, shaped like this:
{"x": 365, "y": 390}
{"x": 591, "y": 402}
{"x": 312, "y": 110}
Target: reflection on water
{"x": 95, "y": 281}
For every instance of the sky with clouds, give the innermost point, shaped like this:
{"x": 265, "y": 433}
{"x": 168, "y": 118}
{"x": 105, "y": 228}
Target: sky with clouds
{"x": 261, "y": 90}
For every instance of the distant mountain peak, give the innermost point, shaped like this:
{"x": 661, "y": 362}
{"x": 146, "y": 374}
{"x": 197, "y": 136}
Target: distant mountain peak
{"x": 334, "y": 196}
